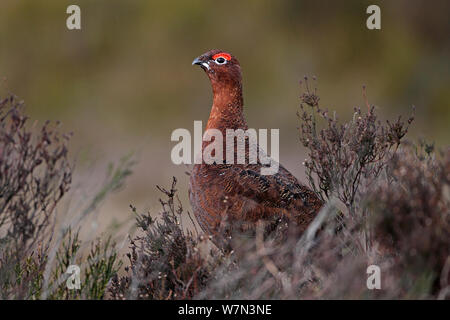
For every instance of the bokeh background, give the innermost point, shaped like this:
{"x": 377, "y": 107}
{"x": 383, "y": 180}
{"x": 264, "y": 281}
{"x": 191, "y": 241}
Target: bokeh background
{"x": 125, "y": 81}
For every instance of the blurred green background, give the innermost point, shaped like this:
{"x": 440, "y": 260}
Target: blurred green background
{"x": 125, "y": 81}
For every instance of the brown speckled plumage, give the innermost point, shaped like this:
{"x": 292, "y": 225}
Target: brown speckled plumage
{"x": 238, "y": 192}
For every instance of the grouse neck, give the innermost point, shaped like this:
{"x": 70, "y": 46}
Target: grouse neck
{"x": 227, "y": 109}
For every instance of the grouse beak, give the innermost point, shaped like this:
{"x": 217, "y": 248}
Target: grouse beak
{"x": 197, "y": 61}
{"x": 201, "y": 63}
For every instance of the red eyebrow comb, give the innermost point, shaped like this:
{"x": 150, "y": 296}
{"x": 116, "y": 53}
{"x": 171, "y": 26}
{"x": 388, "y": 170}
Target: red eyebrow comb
{"x": 224, "y": 55}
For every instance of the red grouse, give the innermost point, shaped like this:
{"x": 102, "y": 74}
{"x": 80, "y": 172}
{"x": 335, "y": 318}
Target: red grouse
{"x": 239, "y": 192}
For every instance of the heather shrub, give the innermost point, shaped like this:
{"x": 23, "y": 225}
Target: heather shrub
{"x": 413, "y": 216}
{"x": 165, "y": 259}
{"x": 345, "y": 158}
{"x": 35, "y": 249}
{"x": 34, "y": 175}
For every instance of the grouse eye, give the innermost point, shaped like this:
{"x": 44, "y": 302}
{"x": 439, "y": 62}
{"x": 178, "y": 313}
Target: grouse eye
{"x": 221, "y": 60}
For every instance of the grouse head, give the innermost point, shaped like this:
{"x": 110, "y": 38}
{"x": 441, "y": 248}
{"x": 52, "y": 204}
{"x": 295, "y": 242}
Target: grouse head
{"x": 221, "y": 67}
